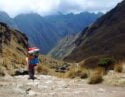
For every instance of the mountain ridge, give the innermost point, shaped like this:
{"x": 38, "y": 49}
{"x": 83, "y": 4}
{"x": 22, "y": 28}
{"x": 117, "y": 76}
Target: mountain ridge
{"x": 64, "y": 47}
{"x": 105, "y": 37}
{"x": 45, "y": 32}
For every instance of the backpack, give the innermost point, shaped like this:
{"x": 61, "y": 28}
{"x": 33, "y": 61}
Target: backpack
{"x": 34, "y": 61}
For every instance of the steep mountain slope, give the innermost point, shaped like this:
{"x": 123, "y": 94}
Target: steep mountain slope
{"x": 64, "y": 47}
{"x": 13, "y": 46}
{"x": 105, "y": 37}
{"x": 40, "y": 33}
{"x": 71, "y": 23}
{"x": 44, "y": 32}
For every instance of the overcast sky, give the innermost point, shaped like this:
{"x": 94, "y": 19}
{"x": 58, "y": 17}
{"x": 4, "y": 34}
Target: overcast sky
{"x": 47, "y": 7}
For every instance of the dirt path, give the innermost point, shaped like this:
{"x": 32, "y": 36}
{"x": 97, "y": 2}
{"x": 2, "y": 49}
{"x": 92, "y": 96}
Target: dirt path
{"x": 48, "y": 86}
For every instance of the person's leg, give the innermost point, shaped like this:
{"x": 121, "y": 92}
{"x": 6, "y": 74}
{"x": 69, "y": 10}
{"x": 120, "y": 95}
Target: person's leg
{"x": 33, "y": 72}
{"x": 30, "y": 72}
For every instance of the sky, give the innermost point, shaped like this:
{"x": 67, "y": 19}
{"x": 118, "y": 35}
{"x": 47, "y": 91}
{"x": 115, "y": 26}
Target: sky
{"x": 48, "y": 7}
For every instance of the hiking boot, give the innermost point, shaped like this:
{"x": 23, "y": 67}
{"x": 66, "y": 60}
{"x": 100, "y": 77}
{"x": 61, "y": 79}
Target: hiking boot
{"x": 33, "y": 78}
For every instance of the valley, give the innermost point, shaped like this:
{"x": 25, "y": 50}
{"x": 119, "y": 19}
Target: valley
{"x": 81, "y": 55}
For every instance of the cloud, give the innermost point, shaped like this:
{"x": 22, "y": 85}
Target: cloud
{"x": 87, "y": 5}
{"x": 47, "y": 7}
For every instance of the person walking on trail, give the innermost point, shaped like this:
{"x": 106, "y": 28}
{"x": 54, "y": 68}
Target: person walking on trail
{"x": 32, "y": 61}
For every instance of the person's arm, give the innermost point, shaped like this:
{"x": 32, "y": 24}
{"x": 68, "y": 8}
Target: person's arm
{"x": 27, "y": 61}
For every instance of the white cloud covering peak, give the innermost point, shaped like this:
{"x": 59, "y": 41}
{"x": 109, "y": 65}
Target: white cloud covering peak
{"x": 46, "y": 7}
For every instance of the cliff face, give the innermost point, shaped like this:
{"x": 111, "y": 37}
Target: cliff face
{"x": 13, "y": 46}
{"x": 105, "y": 37}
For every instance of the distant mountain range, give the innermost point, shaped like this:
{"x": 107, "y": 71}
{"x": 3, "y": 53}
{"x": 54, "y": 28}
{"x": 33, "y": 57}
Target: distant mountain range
{"x": 45, "y": 32}
{"x": 40, "y": 33}
{"x": 106, "y": 37}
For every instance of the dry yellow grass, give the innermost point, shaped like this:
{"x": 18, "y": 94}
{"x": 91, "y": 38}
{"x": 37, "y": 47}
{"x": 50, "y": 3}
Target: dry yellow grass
{"x": 41, "y": 69}
{"x": 77, "y": 71}
{"x": 96, "y": 76}
{"x": 118, "y": 68}
{"x": 46, "y": 70}
{"x": 2, "y": 73}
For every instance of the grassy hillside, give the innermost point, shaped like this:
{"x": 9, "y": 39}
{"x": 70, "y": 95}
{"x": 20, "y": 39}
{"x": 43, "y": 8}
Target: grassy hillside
{"x": 13, "y": 46}
{"x": 103, "y": 38}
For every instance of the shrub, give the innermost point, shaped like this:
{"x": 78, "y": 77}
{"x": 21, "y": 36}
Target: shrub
{"x": 77, "y": 72}
{"x": 71, "y": 73}
{"x": 118, "y": 68}
{"x": 107, "y": 63}
{"x": 2, "y": 73}
{"x": 96, "y": 76}
{"x": 95, "y": 79}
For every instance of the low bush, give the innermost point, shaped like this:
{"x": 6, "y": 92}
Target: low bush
{"x": 106, "y": 63}
{"x": 77, "y": 72}
{"x": 2, "y": 73}
{"x": 118, "y": 68}
{"x": 96, "y": 76}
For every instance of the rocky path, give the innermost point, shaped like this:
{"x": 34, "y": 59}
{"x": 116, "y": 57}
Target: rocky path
{"x": 48, "y": 86}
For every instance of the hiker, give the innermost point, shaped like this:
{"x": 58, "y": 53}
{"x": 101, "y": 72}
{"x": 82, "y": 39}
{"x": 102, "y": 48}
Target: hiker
{"x": 32, "y": 61}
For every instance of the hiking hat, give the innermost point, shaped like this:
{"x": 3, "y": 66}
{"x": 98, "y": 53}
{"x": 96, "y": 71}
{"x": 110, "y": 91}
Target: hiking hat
{"x": 33, "y": 50}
